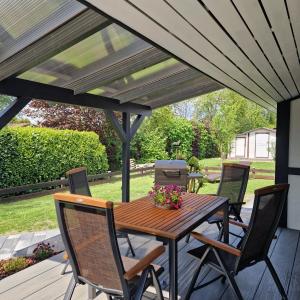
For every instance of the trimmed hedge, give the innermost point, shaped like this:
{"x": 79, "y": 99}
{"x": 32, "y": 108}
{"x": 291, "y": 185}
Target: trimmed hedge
{"x": 31, "y": 155}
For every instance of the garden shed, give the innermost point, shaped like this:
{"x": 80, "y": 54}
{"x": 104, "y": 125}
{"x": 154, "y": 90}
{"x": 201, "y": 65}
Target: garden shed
{"x": 254, "y": 144}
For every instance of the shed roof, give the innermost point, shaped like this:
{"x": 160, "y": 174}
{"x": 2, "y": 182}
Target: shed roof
{"x": 258, "y": 129}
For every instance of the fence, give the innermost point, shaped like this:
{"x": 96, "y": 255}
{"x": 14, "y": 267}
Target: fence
{"x": 51, "y": 186}
{"x": 254, "y": 173}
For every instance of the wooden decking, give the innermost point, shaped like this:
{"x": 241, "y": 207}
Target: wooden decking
{"x": 43, "y": 281}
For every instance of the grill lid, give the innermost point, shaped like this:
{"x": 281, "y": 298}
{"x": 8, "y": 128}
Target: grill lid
{"x": 170, "y": 164}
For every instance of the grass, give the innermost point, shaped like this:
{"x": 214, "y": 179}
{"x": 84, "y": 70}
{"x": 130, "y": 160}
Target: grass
{"x": 215, "y": 162}
{"x": 38, "y": 213}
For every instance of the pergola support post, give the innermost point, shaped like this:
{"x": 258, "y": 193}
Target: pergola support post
{"x": 282, "y": 150}
{"x": 126, "y": 132}
{"x": 8, "y": 113}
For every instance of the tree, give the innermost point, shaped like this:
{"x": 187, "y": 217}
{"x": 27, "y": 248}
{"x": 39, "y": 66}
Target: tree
{"x": 63, "y": 116}
{"x": 226, "y": 113}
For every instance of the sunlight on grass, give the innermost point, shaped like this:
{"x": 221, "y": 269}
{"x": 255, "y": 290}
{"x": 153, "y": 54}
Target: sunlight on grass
{"x": 39, "y": 213}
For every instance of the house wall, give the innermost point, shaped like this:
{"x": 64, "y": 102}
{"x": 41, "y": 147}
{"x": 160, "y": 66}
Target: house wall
{"x": 293, "y": 207}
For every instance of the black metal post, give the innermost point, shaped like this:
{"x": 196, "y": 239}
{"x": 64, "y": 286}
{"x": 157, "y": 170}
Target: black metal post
{"x": 282, "y": 149}
{"x": 126, "y": 158}
{"x": 173, "y": 270}
{"x": 8, "y": 113}
{"x": 126, "y": 132}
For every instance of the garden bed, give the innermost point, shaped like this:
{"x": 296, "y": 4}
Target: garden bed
{"x": 15, "y": 264}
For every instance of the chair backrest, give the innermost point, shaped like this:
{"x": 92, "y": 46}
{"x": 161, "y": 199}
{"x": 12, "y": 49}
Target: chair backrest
{"x": 233, "y": 183}
{"x": 87, "y": 228}
{"x": 78, "y": 182}
{"x": 267, "y": 209}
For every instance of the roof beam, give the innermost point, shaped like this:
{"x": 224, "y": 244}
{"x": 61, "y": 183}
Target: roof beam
{"x": 116, "y": 67}
{"x": 8, "y": 113}
{"x": 20, "y": 87}
{"x": 60, "y": 39}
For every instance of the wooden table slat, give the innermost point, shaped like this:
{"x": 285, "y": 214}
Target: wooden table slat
{"x": 142, "y": 215}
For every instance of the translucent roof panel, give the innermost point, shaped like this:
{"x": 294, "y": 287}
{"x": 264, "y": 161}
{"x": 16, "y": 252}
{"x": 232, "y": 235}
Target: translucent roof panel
{"x": 193, "y": 85}
{"x": 131, "y": 86}
{"x": 76, "y": 65}
{"x": 23, "y": 22}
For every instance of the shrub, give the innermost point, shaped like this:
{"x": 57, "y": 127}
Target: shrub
{"x": 149, "y": 146}
{"x": 30, "y": 155}
{"x": 181, "y": 132}
{"x": 207, "y": 144}
{"x": 13, "y": 265}
{"x": 43, "y": 251}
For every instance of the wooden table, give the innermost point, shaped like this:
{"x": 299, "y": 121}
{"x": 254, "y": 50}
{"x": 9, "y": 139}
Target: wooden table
{"x": 170, "y": 225}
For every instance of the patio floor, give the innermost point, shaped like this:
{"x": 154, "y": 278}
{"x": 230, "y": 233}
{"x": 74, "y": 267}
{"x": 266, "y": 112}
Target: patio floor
{"x": 43, "y": 280}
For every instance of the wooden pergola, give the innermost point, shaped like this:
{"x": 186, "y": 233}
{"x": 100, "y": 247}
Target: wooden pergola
{"x": 134, "y": 56}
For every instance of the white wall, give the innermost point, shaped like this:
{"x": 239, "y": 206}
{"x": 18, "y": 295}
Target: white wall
{"x": 252, "y": 145}
{"x": 294, "y": 162}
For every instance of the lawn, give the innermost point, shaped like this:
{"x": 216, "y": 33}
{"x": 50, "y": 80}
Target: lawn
{"x": 214, "y": 162}
{"x": 39, "y": 214}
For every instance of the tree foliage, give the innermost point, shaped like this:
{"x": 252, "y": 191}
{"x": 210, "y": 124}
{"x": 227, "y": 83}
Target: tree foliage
{"x": 226, "y": 113}
{"x": 4, "y": 101}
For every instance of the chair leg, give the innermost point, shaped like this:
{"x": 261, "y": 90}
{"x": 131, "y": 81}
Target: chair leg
{"x": 63, "y": 271}
{"x": 70, "y": 290}
{"x": 157, "y": 285}
{"x": 220, "y": 235}
{"x": 195, "y": 276}
{"x": 141, "y": 285}
{"x": 229, "y": 276}
{"x": 187, "y": 238}
{"x": 276, "y": 278}
{"x": 130, "y": 248}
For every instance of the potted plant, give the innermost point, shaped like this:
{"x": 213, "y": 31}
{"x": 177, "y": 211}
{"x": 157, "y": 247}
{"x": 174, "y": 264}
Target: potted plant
{"x": 167, "y": 197}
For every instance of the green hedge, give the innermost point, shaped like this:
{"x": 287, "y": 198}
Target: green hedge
{"x": 30, "y": 155}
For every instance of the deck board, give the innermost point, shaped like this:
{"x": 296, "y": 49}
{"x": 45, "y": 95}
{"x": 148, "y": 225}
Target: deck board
{"x": 43, "y": 280}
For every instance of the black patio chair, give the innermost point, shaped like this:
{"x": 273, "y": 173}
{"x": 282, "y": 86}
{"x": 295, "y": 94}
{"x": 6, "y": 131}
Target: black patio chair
{"x": 78, "y": 184}
{"x": 228, "y": 260}
{"x": 233, "y": 185}
{"x": 88, "y": 232}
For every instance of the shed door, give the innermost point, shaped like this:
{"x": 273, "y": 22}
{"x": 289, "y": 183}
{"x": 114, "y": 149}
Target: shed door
{"x": 240, "y": 147}
{"x": 262, "y": 145}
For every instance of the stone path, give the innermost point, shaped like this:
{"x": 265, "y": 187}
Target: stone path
{"x": 23, "y": 244}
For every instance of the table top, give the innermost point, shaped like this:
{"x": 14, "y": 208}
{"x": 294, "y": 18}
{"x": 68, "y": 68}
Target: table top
{"x": 141, "y": 215}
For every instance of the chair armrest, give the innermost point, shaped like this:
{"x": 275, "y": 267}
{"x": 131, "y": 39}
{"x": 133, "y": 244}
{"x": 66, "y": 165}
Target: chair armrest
{"x": 236, "y": 223}
{"x": 237, "y": 203}
{"x": 216, "y": 244}
{"x": 140, "y": 265}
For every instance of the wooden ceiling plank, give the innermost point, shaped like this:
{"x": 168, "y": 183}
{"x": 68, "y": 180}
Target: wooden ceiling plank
{"x": 280, "y": 23}
{"x": 294, "y": 11}
{"x": 174, "y": 23}
{"x": 200, "y": 18}
{"x": 227, "y": 15}
{"x": 138, "y": 22}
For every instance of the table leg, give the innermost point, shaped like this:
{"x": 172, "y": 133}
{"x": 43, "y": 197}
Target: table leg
{"x": 226, "y": 223}
{"x": 173, "y": 270}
